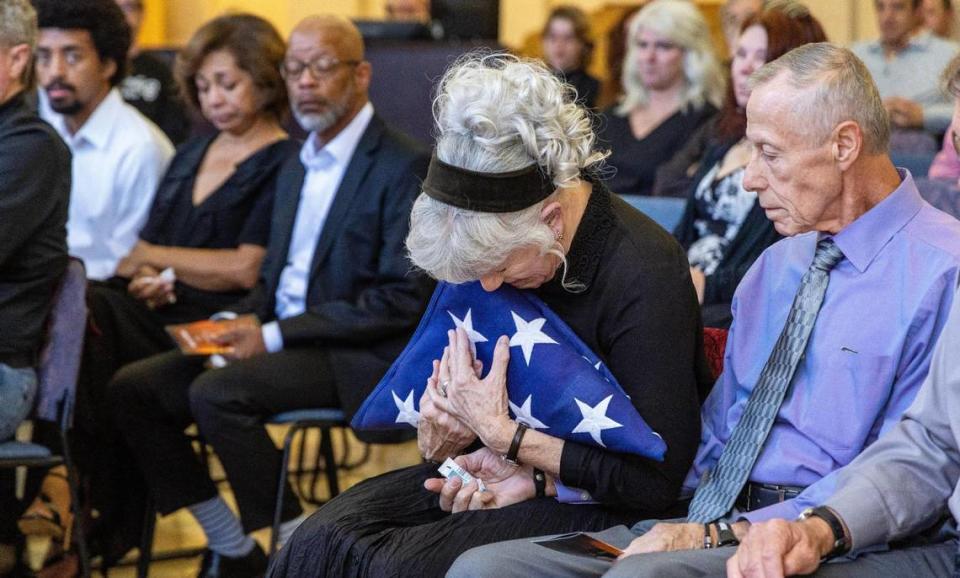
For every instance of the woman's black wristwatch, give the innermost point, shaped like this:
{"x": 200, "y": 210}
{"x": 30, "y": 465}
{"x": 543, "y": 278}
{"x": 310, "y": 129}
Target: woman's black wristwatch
{"x": 841, "y": 542}
{"x": 540, "y": 482}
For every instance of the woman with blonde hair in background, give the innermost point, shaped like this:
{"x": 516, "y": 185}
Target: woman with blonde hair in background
{"x": 672, "y": 83}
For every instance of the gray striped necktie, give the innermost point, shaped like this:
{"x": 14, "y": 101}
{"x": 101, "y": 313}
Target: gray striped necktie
{"x": 716, "y": 495}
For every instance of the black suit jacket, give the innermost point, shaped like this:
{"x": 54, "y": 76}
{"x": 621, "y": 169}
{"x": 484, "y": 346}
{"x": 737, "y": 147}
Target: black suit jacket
{"x": 34, "y": 197}
{"x": 364, "y": 297}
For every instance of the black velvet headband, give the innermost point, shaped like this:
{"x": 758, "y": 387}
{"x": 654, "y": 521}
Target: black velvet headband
{"x": 486, "y": 192}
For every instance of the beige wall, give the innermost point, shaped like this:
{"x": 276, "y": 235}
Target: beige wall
{"x": 845, "y": 20}
{"x": 171, "y": 22}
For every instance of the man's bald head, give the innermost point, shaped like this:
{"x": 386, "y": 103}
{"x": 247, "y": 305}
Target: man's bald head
{"x": 327, "y": 77}
{"x": 336, "y": 31}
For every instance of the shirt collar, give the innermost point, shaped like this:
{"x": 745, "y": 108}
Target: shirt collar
{"x": 862, "y": 240}
{"x": 341, "y": 147}
{"x": 920, "y": 41}
{"x": 99, "y": 126}
{"x": 591, "y": 236}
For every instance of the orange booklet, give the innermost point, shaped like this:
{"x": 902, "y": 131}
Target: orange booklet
{"x": 580, "y": 544}
{"x": 200, "y": 337}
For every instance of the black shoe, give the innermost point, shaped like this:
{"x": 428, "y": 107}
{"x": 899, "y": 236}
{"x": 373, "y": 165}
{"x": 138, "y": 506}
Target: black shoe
{"x": 253, "y": 565}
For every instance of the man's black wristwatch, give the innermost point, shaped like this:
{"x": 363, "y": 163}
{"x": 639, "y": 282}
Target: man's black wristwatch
{"x": 725, "y": 535}
{"x": 841, "y": 542}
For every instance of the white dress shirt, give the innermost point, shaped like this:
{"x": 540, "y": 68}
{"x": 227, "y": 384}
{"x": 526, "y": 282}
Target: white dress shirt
{"x": 325, "y": 166}
{"x": 119, "y": 157}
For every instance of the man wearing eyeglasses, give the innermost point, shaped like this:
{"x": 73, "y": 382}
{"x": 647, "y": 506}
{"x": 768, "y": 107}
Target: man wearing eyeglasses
{"x": 337, "y": 299}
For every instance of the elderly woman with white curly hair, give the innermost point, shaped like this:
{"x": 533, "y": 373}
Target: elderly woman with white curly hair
{"x": 512, "y": 197}
{"x": 673, "y": 84}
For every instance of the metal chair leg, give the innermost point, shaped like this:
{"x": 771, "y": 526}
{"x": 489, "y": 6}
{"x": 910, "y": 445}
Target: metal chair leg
{"x": 281, "y": 490}
{"x": 305, "y": 491}
{"x": 73, "y": 483}
{"x": 326, "y": 447}
{"x": 146, "y": 540}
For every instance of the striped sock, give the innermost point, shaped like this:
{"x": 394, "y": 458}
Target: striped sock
{"x": 287, "y": 528}
{"x": 225, "y": 535}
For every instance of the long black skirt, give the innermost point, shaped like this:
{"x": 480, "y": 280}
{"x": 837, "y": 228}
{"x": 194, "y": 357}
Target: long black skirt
{"x": 391, "y": 526}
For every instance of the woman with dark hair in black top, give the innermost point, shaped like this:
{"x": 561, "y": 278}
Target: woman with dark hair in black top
{"x": 567, "y": 49}
{"x": 208, "y": 230}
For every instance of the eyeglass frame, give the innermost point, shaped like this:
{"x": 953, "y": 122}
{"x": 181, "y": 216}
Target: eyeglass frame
{"x": 315, "y": 71}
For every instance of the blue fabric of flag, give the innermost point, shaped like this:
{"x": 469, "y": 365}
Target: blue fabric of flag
{"x": 555, "y": 383}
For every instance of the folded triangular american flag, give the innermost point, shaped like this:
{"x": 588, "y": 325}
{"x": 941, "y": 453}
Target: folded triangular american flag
{"x": 554, "y": 382}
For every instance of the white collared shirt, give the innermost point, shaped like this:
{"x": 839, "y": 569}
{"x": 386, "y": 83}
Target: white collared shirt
{"x": 119, "y": 157}
{"x": 325, "y": 167}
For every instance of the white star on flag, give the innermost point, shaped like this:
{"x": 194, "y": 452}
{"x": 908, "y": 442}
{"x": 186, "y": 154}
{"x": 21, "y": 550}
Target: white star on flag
{"x": 524, "y": 414}
{"x": 467, "y": 324}
{"x": 407, "y": 414}
{"x": 528, "y": 334}
{"x": 595, "y": 419}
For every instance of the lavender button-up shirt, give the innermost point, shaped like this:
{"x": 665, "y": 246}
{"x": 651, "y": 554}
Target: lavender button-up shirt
{"x": 868, "y": 353}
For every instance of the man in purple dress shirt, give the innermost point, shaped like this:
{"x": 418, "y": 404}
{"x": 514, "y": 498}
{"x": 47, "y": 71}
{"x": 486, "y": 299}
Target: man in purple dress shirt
{"x": 821, "y": 170}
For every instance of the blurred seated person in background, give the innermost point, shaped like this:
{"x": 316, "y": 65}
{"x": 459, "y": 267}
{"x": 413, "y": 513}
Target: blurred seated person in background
{"x": 149, "y": 85}
{"x": 119, "y": 156}
{"x": 724, "y": 229}
{"x": 733, "y": 14}
{"x": 209, "y": 225}
{"x": 906, "y": 63}
{"x": 809, "y": 381}
{"x": 567, "y": 48}
{"x": 672, "y": 85}
{"x": 408, "y": 11}
{"x": 618, "y": 280}
{"x": 940, "y": 18}
{"x": 946, "y": 164}
{"x": 34, "y": 196}
{"x": 675, "y": 178}
{"x": 337, "y": 299}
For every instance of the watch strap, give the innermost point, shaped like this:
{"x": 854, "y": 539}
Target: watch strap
{"x": 540, "y": 482}
{"x": 841, "y": 542}
{"x": 514, "y": 450}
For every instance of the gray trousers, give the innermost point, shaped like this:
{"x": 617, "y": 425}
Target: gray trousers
{"x": 525, "y": 559}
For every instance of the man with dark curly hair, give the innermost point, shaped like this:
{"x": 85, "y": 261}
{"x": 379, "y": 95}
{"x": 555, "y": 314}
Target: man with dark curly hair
{"x": 118, "y": 155}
